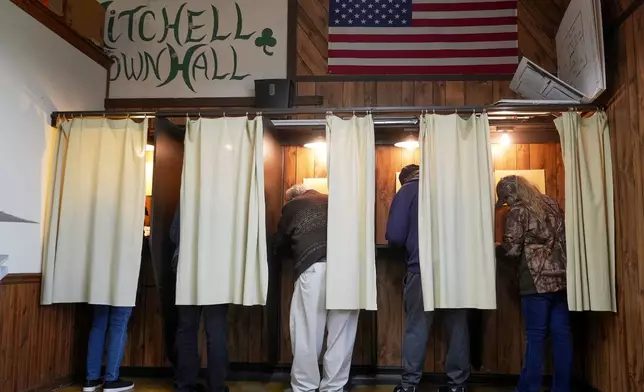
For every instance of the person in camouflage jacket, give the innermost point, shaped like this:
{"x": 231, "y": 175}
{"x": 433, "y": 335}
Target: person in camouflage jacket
{"x": 535, "y": 240}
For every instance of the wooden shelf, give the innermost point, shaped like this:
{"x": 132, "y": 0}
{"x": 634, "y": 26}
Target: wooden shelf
{"x": 57, "y": 24}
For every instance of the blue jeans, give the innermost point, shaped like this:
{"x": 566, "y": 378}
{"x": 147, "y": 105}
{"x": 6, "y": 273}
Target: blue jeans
{"x": 543, "y": 313}
{"x": 110, "y": 322}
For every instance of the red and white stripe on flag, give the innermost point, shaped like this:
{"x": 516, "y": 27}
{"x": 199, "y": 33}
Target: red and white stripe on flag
{"x": 456, "y": 37}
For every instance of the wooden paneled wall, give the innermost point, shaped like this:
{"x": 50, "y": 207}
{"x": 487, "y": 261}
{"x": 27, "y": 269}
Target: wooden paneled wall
{"x": 248, "y": 332}
{"x": 38, "y": 345}
{"x": 379, "y": 337}
{"x": 402, "y": 93}
{"x": 503, "y": 341}
{"x": 380, "y": 333}
{"x": 615, "y": 342}
{"x": 538, "y": 21}
{"x": 247, "y": 342}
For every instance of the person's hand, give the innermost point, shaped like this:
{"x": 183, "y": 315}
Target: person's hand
{"x": 497, "y": 244}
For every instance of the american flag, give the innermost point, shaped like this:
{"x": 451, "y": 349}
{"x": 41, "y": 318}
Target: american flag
{"x": 456, "y": 37}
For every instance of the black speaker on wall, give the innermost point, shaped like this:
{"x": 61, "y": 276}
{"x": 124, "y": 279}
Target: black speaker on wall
{"x": 274, "y": 93}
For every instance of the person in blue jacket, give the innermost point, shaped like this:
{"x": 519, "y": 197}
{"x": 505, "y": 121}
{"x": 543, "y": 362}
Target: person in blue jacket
{"x": 402, "y": 229}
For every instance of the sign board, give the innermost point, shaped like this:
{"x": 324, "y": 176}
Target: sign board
{"x": 194, "y": 49}
{"x": 535, "y": 83}
{"x": 581, "y": 69}
{"x": 580, "y": 48}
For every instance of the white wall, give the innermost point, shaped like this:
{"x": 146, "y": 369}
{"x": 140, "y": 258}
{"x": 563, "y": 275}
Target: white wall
{"x": 39, "y": 73}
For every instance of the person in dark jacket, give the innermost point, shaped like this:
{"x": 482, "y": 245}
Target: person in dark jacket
{"x": 535, "y": 239}
{"x": 402, "y": 229}
{"x": 302, "y": 233}
{"x": 187, "y": 336}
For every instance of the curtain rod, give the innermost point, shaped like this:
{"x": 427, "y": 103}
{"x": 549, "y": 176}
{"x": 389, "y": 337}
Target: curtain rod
{"x": 323, "y": 111}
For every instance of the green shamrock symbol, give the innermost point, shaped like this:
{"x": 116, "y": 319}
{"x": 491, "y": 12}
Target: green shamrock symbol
{"x": 265, "y": 41}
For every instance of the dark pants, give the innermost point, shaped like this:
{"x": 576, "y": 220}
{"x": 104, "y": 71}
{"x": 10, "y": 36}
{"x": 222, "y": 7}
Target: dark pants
{"x": 187, "y": 347}
{"x": 165, "y": 276}
{"x": 418, "y": 324}
{"x": 543, "y": 313}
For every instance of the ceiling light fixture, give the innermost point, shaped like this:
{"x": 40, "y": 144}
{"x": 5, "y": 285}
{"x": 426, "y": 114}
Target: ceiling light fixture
{"x": 321, "y": 122}
{"x": 408, "y": 144}
{"x": 505, "y": 140}
{"x": 315, "y": 145}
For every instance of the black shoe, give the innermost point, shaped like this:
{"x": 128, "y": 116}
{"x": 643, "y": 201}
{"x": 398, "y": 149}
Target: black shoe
{"x": 399, "y": 388}
{"x": 118, "y": 386}
{"x": 201, "y": 388}
{"x": 452, "y": 389}
{"x": 92, "y": 385}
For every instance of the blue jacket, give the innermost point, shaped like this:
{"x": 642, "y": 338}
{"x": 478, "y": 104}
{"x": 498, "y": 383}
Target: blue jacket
{"x": 402, "y": 226}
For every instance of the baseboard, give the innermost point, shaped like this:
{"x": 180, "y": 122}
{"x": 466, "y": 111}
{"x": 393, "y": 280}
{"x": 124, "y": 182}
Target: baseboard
{"x": 360, "y": 375}
{"x": 58, "y": 383}
{"x": 20, "y": 279}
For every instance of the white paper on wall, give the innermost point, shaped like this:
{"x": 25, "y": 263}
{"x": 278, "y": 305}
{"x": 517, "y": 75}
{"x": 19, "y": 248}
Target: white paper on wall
{"x": 581, "y": 73}
{"x": 4, "y": 270}
{"x": 535, "y": 83}
{"x": 580, "y": 48}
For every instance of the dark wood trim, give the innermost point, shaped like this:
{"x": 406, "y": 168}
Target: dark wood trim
{"x": 360, "y": 375}
{"x": 614, "y": 25}
{"x": 291, "y": 41}
{"x": 57, "y": 383}
{"x": 173, "y": 103}
{"x": 20, "y": 279}
{"x": 107, "y": 84}
{"x": 57, "y": 24}
{"x": 397, "y": 78}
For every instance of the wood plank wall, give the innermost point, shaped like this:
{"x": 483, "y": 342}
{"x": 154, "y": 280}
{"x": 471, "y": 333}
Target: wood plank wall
{"x": 500, "y": 356}
{"x": 504, "y": 340}
{"x": 404, "y": 93}
{"x": 38, "y": 344}
{"x": 248, "y": 334}
{"x": 538, "y": 21}
{"x": 503, "y": 347}
{"x": 615, "y": 341}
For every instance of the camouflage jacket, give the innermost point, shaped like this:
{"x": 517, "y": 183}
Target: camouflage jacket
{"x": 540, "y": 248}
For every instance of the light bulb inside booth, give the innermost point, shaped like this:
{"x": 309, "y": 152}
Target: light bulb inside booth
{"x": 319, "y": 149}
{"x": 408, "y": 144}
{"x": 505, "y": 140}
{"x": 316, "y": 145}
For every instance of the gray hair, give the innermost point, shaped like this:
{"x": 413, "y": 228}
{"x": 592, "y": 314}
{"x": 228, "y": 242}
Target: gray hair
{"x": 295, "y": 191}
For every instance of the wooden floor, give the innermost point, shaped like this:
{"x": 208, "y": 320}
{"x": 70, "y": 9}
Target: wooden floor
{"x": 161, "y": 385}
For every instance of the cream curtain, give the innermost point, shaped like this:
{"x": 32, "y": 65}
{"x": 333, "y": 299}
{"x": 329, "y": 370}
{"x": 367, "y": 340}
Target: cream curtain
{"x": 222, "y": 256}
{"x": 590, "y": 221}
{"x": 455, "y": 222}
{"x": 351, "y": 269}
{"x": 95, "y": 212}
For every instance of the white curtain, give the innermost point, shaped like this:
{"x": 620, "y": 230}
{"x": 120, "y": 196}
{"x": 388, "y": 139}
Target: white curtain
{"x": 590, "y": 221}
{"x": 95, "y": 212}
{"x": 222, "y": 255}
{"x": 351, "y": 269}
{"x": 455, "y": 222}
